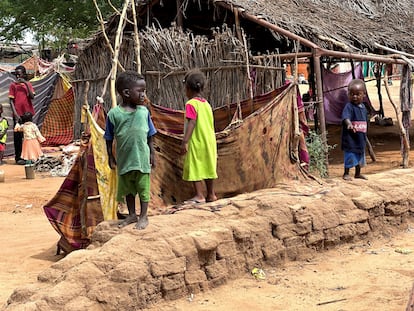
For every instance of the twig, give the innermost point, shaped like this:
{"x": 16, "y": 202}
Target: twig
{"x": 330, "y": 301}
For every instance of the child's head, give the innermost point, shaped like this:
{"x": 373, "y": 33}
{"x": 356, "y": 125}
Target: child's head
{"x": 356, "y": 91}
{"x": 194, "y": 82}
{"x": 20, "y": 72}
{"x": 27, "y": 117}
{"x": 131, "y": 86}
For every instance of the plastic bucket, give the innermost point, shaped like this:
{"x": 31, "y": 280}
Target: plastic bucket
{"x": 29, "y": 169}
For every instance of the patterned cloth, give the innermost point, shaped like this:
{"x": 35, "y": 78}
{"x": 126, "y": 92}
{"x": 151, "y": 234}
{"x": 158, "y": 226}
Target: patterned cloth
{"x": 105, "y": 176}
{"x": 58, "y": 124}
{"x": 75, "y": 210}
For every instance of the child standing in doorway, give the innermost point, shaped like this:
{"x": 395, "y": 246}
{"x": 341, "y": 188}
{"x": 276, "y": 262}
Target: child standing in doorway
{"x": 354, "y": 129}
{"x": 31, "y": 149}
{"x": 131, "y": 126}
{"x": 199, "y": 142}
{"x": 4, "y": 125}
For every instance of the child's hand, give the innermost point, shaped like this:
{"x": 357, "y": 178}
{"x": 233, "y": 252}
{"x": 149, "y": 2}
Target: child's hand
{"x": 152, "y": 160}
{"x": 351, "y": 128}
{"x": 184, "y": 148}
{"x": 112, "y": 162}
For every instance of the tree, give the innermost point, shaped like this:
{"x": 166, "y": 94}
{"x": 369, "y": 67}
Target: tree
{"x": 53, "y": 21}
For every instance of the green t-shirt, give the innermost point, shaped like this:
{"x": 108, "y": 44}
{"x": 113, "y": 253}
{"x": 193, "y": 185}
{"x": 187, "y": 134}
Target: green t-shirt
{"x": 131, "y": 135}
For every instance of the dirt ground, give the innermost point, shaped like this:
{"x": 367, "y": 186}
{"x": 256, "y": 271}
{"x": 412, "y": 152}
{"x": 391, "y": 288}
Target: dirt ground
{"x": 350, "y": 277}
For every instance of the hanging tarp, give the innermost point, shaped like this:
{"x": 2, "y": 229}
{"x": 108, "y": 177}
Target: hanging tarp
{"x": 254, "y": 144}
{"x": 75, "y": 210}
{"x": 335, "y": 93}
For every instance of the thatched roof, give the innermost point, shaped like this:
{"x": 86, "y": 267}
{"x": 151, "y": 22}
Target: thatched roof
{"x": 359, "y": 24}
{"x": 332, "y": 24}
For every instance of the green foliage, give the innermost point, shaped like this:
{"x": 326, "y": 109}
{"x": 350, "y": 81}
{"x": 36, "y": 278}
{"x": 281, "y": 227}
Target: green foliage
{"x": 57, "y": 20}
{"x": 317, "y": 153}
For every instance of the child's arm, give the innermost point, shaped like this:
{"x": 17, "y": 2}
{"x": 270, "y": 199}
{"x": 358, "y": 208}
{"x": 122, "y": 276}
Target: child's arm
{"x": 188, "y": 131}
{"x": 15, "y": 115}
{"x": 109, "y": 138}
{"x": 39, "y": 136}
{"x": 111, "y": 158}
{"x": 152, "y": 154}
{"x": 349, "y": 125}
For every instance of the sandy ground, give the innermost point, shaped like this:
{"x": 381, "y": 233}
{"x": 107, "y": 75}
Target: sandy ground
{"x": 350, "y": 277}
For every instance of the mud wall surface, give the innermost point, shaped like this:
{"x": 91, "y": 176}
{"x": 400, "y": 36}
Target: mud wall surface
{"x": 200, "y": 247}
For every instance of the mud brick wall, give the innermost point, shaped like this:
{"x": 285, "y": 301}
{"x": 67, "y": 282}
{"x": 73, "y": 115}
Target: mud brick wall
{"x": 200, "y": 248}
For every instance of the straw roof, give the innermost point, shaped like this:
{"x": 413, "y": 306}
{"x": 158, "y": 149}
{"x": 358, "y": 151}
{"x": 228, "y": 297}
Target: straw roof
{"x": 332, "y": 24}
{"x": 359, "y": 24}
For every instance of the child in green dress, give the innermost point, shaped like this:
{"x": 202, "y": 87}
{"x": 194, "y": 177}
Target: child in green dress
{"x": 199, "y": 142}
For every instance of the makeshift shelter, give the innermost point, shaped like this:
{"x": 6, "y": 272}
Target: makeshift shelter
{"x": 53, "y": 104}
{"x": 263, "y": 35}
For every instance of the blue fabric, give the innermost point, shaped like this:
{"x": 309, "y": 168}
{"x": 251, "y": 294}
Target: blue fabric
{"x": 350, "y": 141}
{"x": 352, "y": 159}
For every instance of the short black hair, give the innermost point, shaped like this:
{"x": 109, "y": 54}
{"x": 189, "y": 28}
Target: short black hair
{"x": 195, "y": 80}
{"x": 358, "y": 82}
{"x": 125, "y": 80}
{"x": 21, "y": 67}
{"x": 27, "y": 116}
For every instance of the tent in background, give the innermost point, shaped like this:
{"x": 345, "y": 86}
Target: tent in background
{"x": 53, "y": 104}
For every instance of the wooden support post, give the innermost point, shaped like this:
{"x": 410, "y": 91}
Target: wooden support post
{"x": 321, "y": 110}
{"x": 179, "y": 13}
{"x": 405, "y": 140}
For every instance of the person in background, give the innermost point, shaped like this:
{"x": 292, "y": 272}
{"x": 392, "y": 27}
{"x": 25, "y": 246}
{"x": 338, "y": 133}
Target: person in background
{"x": 32, "y": 138}
{"x": 21, "y": 94}
{"x": 4, "y": 125}
{"x": 354, "y": 129}
{"x": 131, "y": 126}
{"x": 199, "y": 142}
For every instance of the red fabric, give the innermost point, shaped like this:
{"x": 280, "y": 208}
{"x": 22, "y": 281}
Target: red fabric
{"x": 18, "y": 91}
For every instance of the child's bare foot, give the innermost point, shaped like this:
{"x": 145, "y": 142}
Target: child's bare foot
{"x": 142, "y": 223}
{"x": 360, "y": 176}
{"x": 211, "y": 199}
{"x": 346, "y": 177}
{"x": 195, "y": 200}
{"x": 127, "y": 221}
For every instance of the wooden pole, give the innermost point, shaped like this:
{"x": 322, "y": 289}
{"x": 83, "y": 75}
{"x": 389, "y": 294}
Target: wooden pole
{"x": 405, "y": 142}
{"x": 319, "y": 99}
{"x": 137, "y": 46}
{"x": 179, "y": 13}
{"x": 118, "y": 40}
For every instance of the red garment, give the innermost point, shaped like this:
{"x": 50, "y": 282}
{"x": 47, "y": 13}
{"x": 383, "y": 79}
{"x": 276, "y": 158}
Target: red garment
{"x": 22, "y": 102}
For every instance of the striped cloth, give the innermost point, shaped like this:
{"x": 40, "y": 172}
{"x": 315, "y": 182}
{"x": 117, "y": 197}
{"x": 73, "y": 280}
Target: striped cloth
{"x": 70, "y": 212}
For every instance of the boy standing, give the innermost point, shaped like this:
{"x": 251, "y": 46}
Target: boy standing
{"x": 21, "y": 93}
{"x": 354, "y": 129}
{"x": 131, "y": 125}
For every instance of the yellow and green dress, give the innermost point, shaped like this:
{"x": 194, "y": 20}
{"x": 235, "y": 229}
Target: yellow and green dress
{"x": 200, "y": 161}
